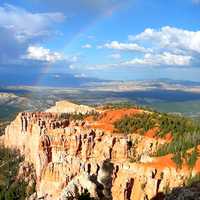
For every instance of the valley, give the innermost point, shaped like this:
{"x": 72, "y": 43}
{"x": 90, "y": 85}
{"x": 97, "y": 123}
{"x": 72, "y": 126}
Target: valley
{"x": 164, "y": 96}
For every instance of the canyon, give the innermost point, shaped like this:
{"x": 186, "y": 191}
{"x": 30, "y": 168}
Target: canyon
{"x": 70, "y": 155}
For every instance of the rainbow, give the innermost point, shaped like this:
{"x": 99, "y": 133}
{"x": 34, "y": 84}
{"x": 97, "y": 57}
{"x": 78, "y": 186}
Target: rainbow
{"x": 107, "y": 13}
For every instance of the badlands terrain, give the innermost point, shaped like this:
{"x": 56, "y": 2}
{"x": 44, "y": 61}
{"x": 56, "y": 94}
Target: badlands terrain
{"x": 114, "y": 151}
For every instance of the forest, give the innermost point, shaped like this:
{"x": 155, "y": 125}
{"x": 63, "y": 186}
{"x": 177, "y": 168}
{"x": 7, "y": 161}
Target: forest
{"x": 185, "y": 133}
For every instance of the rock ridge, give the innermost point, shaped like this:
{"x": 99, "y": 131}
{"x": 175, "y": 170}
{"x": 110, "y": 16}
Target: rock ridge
{"x": 72, "y": 155}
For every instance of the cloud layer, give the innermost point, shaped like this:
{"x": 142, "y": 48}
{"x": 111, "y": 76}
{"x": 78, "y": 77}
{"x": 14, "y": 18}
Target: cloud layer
{"x": 126, "y": 47}
{"x": 167, "y": 46}
{"x": 26, "y": 25}
{"x": 171, "y": 38}
{"x": 42, "y": 54}
{"x": 58, "y": 32}
{"x": 166, "y": 59}
{"x": 21, "y": 29}
{"x": 87, "y": 46}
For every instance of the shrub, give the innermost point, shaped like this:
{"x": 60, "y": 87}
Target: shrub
{"x": 193, "y": 158}
{"x": 10, "y": 188}
{"x": 177, "y": 158}
{"x": 185, "y": 132}
{"x": 193, "y": 179}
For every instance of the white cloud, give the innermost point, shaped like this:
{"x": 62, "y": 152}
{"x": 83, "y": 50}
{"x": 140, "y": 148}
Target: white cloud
{"x": 39, "y": 53}
{"x": 166, "y": 59}
{"x": 152, "y": 60}
{"x": 87, "y": 46}
{"x": 80, "y": 75}
{"x": 171, "y": 39}
{"x": 43, "y": 54}
{"x": 126, "y": 46}
{"x": 115, "y": 56}
{"x": 26, "y": 25}
{"x": 168, "y": 46}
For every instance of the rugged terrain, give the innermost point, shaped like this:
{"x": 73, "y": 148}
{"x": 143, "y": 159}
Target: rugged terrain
{"x": 76, "y": 147}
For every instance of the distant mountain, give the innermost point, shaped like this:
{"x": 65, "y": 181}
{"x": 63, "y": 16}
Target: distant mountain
{"x": 33, "y": 78}
{"x": 181, "y": 82}
{"x": 44, "y": 79}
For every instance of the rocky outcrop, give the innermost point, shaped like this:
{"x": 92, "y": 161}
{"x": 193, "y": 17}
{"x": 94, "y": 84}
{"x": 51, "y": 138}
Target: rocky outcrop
{"x": 68, "y": 107}
{"x": 70, "y": 156}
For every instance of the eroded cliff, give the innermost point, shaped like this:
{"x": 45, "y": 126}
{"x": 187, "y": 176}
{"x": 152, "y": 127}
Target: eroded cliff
{"x": 70, "y": 155}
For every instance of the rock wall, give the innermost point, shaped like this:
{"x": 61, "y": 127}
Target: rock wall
{"x": 70, "y": 156}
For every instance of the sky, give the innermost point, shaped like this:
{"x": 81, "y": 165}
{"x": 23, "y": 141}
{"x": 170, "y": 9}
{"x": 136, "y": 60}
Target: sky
{"x": 104, "y": 39}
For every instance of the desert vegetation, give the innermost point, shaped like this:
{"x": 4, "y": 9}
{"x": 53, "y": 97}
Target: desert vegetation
{"x": 125, "y": 105}
{"x": 11, "y": 187}
{"x": 79, "y": 116}
{"x": 185, "y": 133}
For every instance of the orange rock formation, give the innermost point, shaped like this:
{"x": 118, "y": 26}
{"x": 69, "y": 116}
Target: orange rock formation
{"x": 70, "y": 156}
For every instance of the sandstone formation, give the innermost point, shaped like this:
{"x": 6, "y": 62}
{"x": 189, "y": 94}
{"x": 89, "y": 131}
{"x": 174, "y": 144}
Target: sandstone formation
{"x": 72, "y": 155}
{"x": 68, "y": 107}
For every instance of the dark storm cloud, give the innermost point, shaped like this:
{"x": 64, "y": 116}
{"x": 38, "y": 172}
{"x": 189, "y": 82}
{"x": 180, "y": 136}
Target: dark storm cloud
{"x": 19, "y": 28}
{"x": 11, "y": 48}
{"x": 35, "y": 21}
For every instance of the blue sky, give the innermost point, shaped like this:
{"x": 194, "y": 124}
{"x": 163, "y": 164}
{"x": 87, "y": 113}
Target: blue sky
{"x": 107, "y": 39}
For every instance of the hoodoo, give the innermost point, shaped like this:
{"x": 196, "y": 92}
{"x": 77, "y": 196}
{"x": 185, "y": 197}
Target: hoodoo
{"x": 75, "y": 151}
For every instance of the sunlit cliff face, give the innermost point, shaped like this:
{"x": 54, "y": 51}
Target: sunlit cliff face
{"x": 70, "y": 155}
